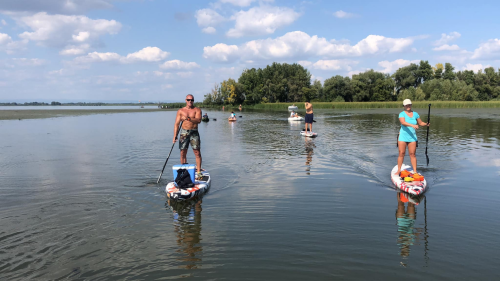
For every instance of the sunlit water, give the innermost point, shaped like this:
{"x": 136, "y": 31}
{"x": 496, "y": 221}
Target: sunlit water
{"x": 79, "y": 200}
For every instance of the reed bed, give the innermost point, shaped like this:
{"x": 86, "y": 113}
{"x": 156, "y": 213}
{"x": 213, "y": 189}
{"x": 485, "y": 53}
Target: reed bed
{"x": 359, "y": 105}
{"x": 391, "y": 104}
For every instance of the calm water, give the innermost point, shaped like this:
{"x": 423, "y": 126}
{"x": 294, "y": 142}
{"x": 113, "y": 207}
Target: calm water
{"x": 79, "y": 200}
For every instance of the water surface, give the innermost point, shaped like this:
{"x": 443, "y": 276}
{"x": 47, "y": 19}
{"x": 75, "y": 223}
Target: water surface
{"x": 79, "y": 200}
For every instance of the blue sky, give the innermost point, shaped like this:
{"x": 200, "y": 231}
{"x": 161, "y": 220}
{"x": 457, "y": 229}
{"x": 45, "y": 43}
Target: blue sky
{"x": 159, "y": 50}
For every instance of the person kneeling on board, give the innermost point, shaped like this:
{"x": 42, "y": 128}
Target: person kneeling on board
{"x": 191, "y": 117}
{"x": 407, "y": 135}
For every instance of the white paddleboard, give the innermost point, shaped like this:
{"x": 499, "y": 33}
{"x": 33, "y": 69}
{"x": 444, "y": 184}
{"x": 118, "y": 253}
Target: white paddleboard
{"x": 200, "y": 187}
{"x": 414, "y": 187}
{"x": 309, "y": 134}
{"x": 295, "y": 118}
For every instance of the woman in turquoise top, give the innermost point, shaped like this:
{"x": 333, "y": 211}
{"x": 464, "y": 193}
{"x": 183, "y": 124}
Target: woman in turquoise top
{"x": 407, "y": 135}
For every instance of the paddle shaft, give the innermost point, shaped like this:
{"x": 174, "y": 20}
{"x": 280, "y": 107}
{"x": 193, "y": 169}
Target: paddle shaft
{"x": 427, "y": 138}
{"x": 180, "y": 126}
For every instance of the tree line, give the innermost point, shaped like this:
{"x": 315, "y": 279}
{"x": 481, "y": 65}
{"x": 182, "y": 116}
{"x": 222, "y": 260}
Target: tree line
{"x": 292, "y": 83}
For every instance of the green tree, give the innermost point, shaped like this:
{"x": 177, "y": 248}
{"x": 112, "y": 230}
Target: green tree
{"x": 448, "y": 72}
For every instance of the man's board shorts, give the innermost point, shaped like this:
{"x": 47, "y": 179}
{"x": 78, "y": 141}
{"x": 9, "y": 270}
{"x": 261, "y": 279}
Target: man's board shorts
{"x": 309, "y": 118}
{"x": 189, "y": 137}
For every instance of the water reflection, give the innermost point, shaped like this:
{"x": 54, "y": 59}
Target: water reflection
{"x": 187, "y": 226}
{"x": 309, "y": 144}
{"x": 405, "y": 219}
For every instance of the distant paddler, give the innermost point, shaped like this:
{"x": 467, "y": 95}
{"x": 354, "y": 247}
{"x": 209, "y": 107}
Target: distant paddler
{"x": 240, "y": 107}
{"x": 309, "y": 116}
{"x": 191, "y": 116}
{"x": 407, "y": 135}
{"x": 293, "y": 114}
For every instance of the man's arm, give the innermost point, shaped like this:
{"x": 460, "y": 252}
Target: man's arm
{"x": 176, "y": 125}
{"x": 197, "y": 117}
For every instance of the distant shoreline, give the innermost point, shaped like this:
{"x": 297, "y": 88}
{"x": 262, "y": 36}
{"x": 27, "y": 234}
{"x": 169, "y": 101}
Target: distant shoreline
{"x": 53, "y": 113}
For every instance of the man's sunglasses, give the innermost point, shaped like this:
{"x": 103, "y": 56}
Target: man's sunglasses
{"x": 189, "y": 99}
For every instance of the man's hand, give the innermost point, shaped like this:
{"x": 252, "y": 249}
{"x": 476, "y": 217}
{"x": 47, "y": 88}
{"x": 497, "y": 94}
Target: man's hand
{"x": 174, "y": 140}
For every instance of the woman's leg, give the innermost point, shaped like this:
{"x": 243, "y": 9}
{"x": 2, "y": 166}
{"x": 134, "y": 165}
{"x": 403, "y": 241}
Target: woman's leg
{"x": 401, "y": 157}
{"x": 412, "y": 148}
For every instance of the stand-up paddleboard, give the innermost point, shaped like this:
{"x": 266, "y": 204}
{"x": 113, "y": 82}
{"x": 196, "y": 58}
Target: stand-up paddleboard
{"x": 308, "y": 134}
{"x": 200, "y": 187}
{"x": 413, "y": 187}
{"x": 295, "y": 118}
{"x": 231, "y": 119}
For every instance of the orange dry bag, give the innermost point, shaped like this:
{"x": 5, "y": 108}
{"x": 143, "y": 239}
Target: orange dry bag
{"x": 418, "y": 177}
{"x": 404, "y": 173}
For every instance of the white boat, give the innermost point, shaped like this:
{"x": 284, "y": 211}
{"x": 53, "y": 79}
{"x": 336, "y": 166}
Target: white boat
{"x": 292, "y": 108}
{"x": 296, "y": 118}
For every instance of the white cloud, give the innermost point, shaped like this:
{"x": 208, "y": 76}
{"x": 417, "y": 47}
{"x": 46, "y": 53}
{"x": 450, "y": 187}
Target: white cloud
{"x": 65, "y": 31}
{"x": 261, "y": 20}
{"x": 54, "y": 6}
{"x": 209, "y": 30}
{"x": 166, "y": 86}
{"x": 447, "y": 38}
{"x": 148, "y": 54}
{"x": 73, "y": 50}
{"x": 4, "y": 22}
{"x": 475, "y": 67}
{"x": 177, "y": 64}
{"x": 208, "y": 17}
{"x": 329, "y": 64}
{"x": 241, "y": 3}
{"x": 299, "y": 44}
{"x": 447, "y": 47}
{"x": 392, "y": 66}
{"x": 165, "y": 75}
{"x": 344, "y": 15}
{"x": 185, "y": 74}
{"x": 29, "y": 62}
{"x": 488, "y": 50}
{"x": 10, "y": 46}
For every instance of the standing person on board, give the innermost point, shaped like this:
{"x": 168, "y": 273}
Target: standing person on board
{"x": 191, "y": 116}
{"x": 407, "y": 135}
{"x": 240, "y": 107}
{"x": 309, "y": 116}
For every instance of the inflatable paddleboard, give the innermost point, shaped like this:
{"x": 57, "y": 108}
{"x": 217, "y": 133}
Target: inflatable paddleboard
{"x": 200, "y": 187}
{"x": 231, "y": 119}
{"x": 295, "y": 118}
{"x": 413, "y": 187}
{"x": 309, "y": 134}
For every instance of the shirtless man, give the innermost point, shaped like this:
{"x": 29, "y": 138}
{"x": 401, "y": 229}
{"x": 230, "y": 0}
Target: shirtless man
{"x": 191, "y": 116}
{"x": 309, "y": 116}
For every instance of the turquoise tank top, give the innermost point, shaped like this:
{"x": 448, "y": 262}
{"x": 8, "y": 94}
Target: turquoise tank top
{"x": 408, "y": 134}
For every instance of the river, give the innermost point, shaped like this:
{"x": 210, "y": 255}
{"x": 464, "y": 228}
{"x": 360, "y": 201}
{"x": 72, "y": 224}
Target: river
{"x": 79, "y": 200}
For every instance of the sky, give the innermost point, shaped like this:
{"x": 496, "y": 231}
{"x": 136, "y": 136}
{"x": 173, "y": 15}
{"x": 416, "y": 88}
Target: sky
{"x": 162, "y": 50}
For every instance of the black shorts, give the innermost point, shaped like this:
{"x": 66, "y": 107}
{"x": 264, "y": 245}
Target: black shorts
{"x": 309, "y": 118}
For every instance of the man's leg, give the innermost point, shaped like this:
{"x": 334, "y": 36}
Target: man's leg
{"x": 197, "y": 154}
{"x": 183, "y": 156}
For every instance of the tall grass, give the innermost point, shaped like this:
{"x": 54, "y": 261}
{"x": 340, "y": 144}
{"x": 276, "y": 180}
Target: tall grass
{"x": 348, "y": 105}
{"x": 389, "y": 104}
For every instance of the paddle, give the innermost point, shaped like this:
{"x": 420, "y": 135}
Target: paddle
{"x": 427, "y": 139}
{"x": 180, "y": 126}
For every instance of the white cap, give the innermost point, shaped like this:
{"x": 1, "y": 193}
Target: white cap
{"x": 406, "y": 102}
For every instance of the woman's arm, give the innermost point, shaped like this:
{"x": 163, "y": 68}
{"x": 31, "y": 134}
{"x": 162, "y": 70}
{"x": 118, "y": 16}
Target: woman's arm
{"x": 422, "y": 123}
{"x": 404, "y": 123}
